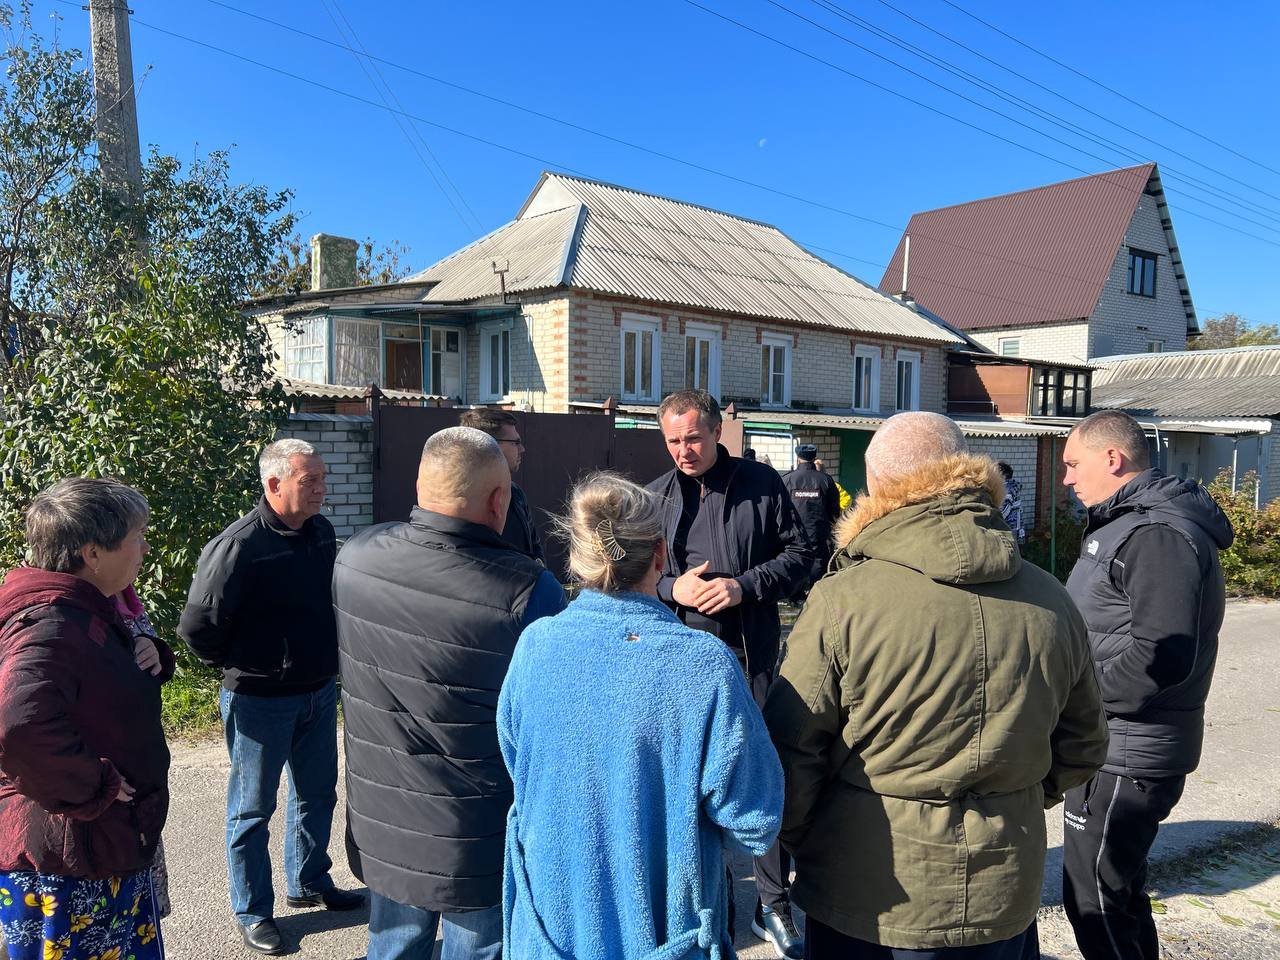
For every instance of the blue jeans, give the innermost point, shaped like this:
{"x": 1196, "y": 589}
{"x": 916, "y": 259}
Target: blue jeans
{"x": 397, "y": 930}
{"x": 264, "y": 736}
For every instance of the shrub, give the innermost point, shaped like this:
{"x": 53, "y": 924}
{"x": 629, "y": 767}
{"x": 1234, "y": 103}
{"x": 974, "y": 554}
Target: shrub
{"x": 1040, "y": 545}
{"x": 1251, "y": 564}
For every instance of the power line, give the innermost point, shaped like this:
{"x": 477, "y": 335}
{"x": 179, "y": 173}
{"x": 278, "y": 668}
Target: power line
{"x": 1063, "y": 97}
{"x": 405, "y": 128}
{"x": 568, "y": 168}
{"x": 1043, "y": 113}
{"x": 669, "y": 157}
{"x": 942, "y": 113}
{"x": 1111, "y": 90}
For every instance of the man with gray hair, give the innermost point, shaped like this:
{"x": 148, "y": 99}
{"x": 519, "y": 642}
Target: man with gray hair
{"x": 1150, "y": 587}
{"x": 428, "y": 613}
{"x": 936, "y": 695}
{"x": 260, "y": 610}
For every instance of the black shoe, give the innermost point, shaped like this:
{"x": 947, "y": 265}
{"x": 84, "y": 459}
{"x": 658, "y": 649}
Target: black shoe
{"x": 777, "y": 927}
{"x": 263, "y": 936}
{"x": 331, "y": 899}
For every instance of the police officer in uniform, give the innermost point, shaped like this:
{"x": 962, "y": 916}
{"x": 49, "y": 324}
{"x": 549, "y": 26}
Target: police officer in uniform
{"x": 817, "y": 503}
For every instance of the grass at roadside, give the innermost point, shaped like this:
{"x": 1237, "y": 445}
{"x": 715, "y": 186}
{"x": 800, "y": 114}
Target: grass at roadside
{"x": 190, "y": 704}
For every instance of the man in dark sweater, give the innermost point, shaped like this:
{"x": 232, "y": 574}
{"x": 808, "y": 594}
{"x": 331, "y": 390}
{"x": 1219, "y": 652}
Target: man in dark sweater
{"x": 519, "y": 529}
{"x": 735, "y": 549}
{"x": 260, "y": 610}
{"x": 1149, "y": 585}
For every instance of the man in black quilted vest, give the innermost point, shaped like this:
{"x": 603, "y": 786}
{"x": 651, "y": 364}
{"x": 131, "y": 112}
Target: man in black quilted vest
{"x": 428, "y": 613}
{"x": 1150, "y": 587}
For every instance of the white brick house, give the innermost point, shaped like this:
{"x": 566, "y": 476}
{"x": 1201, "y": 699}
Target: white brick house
{"x": 1066, "y": 272}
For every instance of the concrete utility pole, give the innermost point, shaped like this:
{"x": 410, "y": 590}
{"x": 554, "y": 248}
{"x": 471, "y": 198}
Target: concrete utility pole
{"x": 116, "y": 121}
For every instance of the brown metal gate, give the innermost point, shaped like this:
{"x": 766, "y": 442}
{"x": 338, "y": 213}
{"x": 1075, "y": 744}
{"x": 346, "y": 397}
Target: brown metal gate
{"x": 560, "y": 448}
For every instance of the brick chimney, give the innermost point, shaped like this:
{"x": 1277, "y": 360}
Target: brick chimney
{"x": 333, "y": 262}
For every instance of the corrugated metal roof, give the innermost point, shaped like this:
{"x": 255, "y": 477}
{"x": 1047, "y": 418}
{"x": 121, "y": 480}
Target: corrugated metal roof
{"x": 1196, "y": 383}
{"x": 1023, "y": 259}
{"x": 333, "y": 391}
{"x": 599, "y": 237}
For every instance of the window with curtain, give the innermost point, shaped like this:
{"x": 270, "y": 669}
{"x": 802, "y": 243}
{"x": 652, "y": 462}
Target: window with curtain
{"x": 306, "y": 350}
{"x": 702, "y": 358}
{"x": 355, "y": 353}
{"x": 775, "y": 370}
{"x": 866, "y": 378}
{"x": 908, "y": 391}
{"x": 495, "y": 363}
{"x": 446, "y": 362}
{"x": 641, "y": 359}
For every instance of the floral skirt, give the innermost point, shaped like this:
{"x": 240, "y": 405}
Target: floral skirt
{"x": 69, "y": 918}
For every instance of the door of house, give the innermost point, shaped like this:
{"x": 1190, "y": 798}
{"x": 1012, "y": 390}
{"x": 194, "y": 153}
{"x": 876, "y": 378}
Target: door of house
{"x": 404, "y": 364}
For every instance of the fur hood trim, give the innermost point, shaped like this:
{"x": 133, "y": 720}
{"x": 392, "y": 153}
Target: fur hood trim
{"x": 965, "y": 471}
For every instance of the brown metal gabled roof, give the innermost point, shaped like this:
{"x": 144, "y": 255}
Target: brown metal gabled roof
{"x": 1022, "y": 259}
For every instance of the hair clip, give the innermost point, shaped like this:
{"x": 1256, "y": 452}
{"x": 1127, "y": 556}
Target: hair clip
{"x": 607, "y": 543}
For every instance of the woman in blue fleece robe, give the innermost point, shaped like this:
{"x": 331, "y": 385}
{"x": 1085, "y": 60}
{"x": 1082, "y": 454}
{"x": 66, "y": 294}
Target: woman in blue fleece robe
{"x": 637, "y": 757}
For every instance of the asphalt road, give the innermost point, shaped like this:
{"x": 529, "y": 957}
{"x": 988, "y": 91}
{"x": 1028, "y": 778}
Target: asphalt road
{"x": 1233, "y": 791}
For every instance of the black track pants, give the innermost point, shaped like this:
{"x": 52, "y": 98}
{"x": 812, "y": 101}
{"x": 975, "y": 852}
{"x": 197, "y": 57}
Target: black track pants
{"x": 1108, "y": 828}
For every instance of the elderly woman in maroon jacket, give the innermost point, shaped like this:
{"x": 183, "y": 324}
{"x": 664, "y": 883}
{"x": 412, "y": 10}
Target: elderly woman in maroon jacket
{"x": 83, "y": 760}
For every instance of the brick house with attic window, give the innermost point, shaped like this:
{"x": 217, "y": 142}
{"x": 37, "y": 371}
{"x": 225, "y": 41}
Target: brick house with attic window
{"x": 1066, "y": 272}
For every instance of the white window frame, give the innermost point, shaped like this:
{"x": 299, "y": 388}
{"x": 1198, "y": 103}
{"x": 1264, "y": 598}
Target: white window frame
{"x": 874, "y": 356}
{"x": 640, "y": 325}
{"x": 312, "y": 333}
{"x": 783, "y": 342}
{"x": 428, "y": 362}
{"x": 490, "y": 391}
{"x": 1004, "y": 343}
{"x": 911, "y": 357}
{"x": 704, "y": 332}
{"x": 1155, "y": 346}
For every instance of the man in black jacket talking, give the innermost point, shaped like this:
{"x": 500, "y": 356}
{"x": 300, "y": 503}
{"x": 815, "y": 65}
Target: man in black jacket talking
{"x": 735, "y": 548}
{"x": 260, "y": 610}
{"x": 1150, "y": 587}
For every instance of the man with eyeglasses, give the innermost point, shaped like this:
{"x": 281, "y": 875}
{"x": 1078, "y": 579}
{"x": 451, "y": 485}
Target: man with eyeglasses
{"x": 520, "y": 531}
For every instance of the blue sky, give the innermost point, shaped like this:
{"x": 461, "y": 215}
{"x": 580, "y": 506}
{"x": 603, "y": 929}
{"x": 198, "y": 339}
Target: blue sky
{"x": 672, "y": 77}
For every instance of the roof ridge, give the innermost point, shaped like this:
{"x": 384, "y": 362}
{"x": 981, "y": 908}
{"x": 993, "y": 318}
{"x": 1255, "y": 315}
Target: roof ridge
{"x": 1044, "y": 186}
{"x": 657, "y": 196}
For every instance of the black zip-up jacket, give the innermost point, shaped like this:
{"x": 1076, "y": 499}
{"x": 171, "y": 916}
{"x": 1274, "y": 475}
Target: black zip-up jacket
{"x": 761, "y": 545}
{"x": 1150, "y": 587}
{"x": 520, "y": 530}
{"x": 260, "y": 608}
{"x": 817, "y": 503}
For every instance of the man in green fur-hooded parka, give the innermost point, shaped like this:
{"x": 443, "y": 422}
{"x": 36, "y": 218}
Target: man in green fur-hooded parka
{"x": 936, "y": 696}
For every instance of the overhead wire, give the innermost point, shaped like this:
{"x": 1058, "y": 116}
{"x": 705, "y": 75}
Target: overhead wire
{"x": 406, "y": 129}
{"x": 950, "y": 116}
{"x": 1111, "y": 90}
{"x": 1063, "y": 97}
{"x": 564, "y": 166}
{"x": 1042, "y": 113}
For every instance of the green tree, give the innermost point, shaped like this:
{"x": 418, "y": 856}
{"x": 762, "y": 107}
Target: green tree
{"x": 291, "y": 269}
{"x": 1232, "y": 330}
{"x": 129, "y": 360}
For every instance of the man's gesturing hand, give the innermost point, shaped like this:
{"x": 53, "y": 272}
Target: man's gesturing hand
{"x": 685, "y": 589}
{"x": 706, "y": 596}
{"x": 716, "y": 595}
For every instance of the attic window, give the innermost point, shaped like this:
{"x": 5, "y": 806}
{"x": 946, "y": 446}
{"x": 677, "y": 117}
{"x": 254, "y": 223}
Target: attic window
{"x": 1142, "y": 273}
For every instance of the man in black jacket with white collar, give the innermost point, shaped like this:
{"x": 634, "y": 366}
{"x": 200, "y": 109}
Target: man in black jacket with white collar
{"x": 260, "y": 609}
{"x": 735, "y": 548}
{"x": 1150, "y": 587}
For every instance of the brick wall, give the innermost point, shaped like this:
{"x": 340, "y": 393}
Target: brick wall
{"x": 821, "y": 360}
{"x": 1123, "y": 322}
{"x": 539, "y": 350}
{"x": 346, "y": 445}
{"x": 1019, "y": 453}
{"x": 1059, "y": 343}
